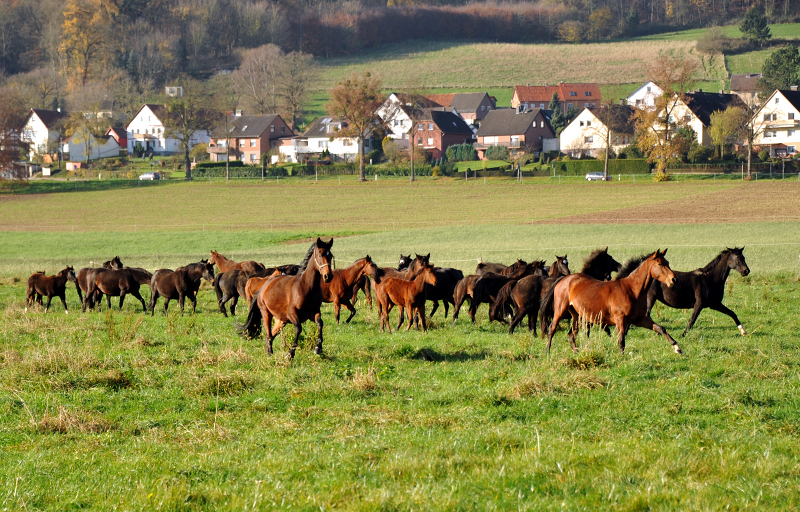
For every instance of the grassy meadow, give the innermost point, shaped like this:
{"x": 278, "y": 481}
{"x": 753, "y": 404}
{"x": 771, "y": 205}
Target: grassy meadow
{"x": 118, "y": 410}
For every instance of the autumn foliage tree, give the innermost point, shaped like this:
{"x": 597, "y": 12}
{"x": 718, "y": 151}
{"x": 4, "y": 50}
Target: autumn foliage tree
{"x": 12, "y": 116}
{"x": 85, "y": 32}
{"x": 357, "y": 100}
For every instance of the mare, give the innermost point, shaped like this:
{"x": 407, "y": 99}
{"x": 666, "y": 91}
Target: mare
{"x": 116, "y": 283}
{"x": 489, "y": 284}
{"x": 444, "y": 290}
{"x": 224, "y": 264}
{"x": 179, "y": 284}
{"x": 621, "y": 302}
{"x": 225, "y": 285}
{"x": 462, "y": 292}
{"x": 407, "y": 269}
{"x": 40, "y": 285}
{"x": 83, "y": 276}
{"x": 292, "y": 299}
{"x": 526, "y": 294}
{"x": 253, "y": 284}
{"x": 598, "y": 265}
{"x": 341, "y": 288}
{"x": 702, "y": 288}
{"x": 408, "y": 295}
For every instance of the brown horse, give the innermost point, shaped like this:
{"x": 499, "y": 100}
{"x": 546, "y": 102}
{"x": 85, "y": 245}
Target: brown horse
{"x": 179, "y": 284}
{"x": 341, "y": 289}
{"x": 254, "y": 284}
{"x": 83, "y": 276}
{"x": 293, "y": 299}
{"x": 224, "y": 264}
{"x": 622, "y": 302}
{"x": 40, "y": 285}
{"x": 116, "y": 283}
{"x": 488, "y": 284}
{"x": 408, "y": 295}
{"x": 463, "y": 292}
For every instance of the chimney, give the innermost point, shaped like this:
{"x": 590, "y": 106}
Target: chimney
{"x": 520, "y": 109}
{"x": 793, "y": 88}
{"x": 238, "y": 113}
{"x": 622, "y": 102}
{"x": 722, "y": 91}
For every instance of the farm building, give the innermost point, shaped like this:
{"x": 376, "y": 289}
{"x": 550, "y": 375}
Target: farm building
{"x": 438, "y": 130}
{"x": 42, "y": 131}
{"x": 569, "y": 96}
{"x": 146, "y": 131}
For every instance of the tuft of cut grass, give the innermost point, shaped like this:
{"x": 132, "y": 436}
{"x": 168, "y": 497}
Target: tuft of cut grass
{"x": 74, "y": 421}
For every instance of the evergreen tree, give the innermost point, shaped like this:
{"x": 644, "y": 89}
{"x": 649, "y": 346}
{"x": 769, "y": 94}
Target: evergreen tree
{"x": 557, "y": 120}
{"x": 632, "y": 20}
{"x": 781, "y": 70}
{"x": 754, "y": 26}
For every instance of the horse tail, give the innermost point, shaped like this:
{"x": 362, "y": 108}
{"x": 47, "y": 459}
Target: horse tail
{"x": 503, "y": 296}
{"x": 546, "y": 307}
{"x": 217, "y": 288}
{"x": 252, "y": 325}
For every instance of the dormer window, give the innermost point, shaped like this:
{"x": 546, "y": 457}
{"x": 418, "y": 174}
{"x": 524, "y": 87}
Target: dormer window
{"x": 587, "y": 93}
{"x": 573, "y": 93}
{"x": 244, "y": 127}
{"x": 272, "y": 128}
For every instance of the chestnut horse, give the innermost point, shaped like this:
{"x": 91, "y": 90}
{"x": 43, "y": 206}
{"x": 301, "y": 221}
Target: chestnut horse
{"x": 40, "y": 285}
{"x": 408, "y": 295}
{"x": 342, "y": 288}
{"x": 622, "y": 302}
{"x": 703, "y": 288}
{"x": 292, "y": 299}
{"x": 224, "y": 264}
{"x": 116, "y": 283}
{"x": 179, "y": 284}
{"x": 254, "y": 284}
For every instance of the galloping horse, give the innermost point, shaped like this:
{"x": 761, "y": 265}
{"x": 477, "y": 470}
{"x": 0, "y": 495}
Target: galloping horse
{"x": 224, "y": 264}
{"x": 341, "y": 289}
{"x": 703, "y": 288}
{"x": 621, "y": 302}
{"x": 116, "y": 283}
{"x": 40, "y": 285}
{"x": 293, "y": 299}
{"x": 408, "y": 295}
{"x": 178, "y": 284}
{"x": 526, "y": 294}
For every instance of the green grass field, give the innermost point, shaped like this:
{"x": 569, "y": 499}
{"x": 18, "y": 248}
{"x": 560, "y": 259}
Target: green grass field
{"x": 117, "y": 410}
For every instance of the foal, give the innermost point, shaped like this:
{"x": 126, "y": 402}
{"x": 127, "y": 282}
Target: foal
{"x": 405, "y": 294}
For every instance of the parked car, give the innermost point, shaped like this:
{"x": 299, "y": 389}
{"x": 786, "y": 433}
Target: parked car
{"x": 597, "y": 176}
{"x": 150, "y": 176}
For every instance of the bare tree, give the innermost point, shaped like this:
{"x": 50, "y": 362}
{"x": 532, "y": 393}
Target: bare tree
{"x": 187, "y": 116}
{"x": 256, "y": 80}
{"x": 752, "y": 125}
{"x": 296, "y": 73}
{"x": 226, "y": 100}
{"x": 12, "y": 116}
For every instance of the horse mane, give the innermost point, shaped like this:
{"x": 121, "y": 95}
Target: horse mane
{"x": 632, "y": 264}
{"x": 307, "y": 258}
{"x": 591, "y": 260}
{"x": 724, "y": 253}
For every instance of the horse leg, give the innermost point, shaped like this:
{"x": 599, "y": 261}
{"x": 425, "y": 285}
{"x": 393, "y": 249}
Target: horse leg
{"x": 268, "y": 334}
{"x": 336, "y": 309}
{"x": 138, "y": 295}
{"x": 648, "y": 323}
{"x": 318, "y": 348}
{"x": 446, "y": 307}
{"x": 422, "y": 320}
{"x": 121, "y": 298}
{"x": 193, "y": 298}
{"x": 401, "y": 318}
{"x": 166, "y": 303}
{"x": 411, "y": 316}
{"x": 64, "y": 302}
{"x": 723, "y": 309}
{"x": 49, "y": 298}
{"x": 221, "y": 300}
{"x": 516, "y": 320}
{"x": 622, "y": 332}
{"x": 368, "y": 295}
{"x": 181, "y": 301}
{"x": 473, "y": 308}
{"x": 298, "y": 330}
{"x": 698, "y": 307}
{"x": 352, "y": 310}
{"x": 234, "y": 302}
{"x": 108, "y": 302}
{"x": 574, "y": 329}
{"x": 436, "y": 306}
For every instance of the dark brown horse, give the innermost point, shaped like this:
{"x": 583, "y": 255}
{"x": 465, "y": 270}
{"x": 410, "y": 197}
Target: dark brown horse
{"x": 444, "y": 290}
{"x": 489, "y": 284}
{"x": 116, "y": 283}
{"x": 463, "y": 293}
{"x": 526, "y": 294}
{"x": 179, "y": 284}
{"x": 702, "y": 288}
{"x": 292, "y": 299}
{"x": 407, "y": 295}
{"x": 40, "y": 285}
{"x": 498, "y": 268}
{"x": 225, "y": 286}
{"x": 621, "y": 302}
{"x": 341, "y": 289}
{"x": 83, "y": 274}
{"x": 224, "y": 264}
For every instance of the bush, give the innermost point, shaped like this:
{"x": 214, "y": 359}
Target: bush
{"x": 617, "y": 166}
{"x": 497, "y": 153}
{"x": 373, "y": 156}
{"x": 461, "y": 153}
{"x": 699, "y": 153}
{"x": 214, "y": 165}
{"x": 763, "y": 155}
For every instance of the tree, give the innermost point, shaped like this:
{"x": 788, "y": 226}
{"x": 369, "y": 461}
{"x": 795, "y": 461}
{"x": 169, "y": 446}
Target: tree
{"x": 725, "y": 126}
{"x": 357, "y": 100}
{"x": 256, "y": 80}
{"x": 658, "y": 129}
{"x": 12, "y": 117}
{"x": 296, "y": 73}
{"x": 601, "y": 24}
{"x": 615, "y": 120}
{"x": 85, "y": 30}
{"x": 754, "y": 26}
{"x": 84, "y": 128}
{"x": 226, "y": 100}
{"x": 187, "y": 116}
{"x": 781, "y": 70}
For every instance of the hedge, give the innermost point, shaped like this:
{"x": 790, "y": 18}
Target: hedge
{"x": 615, "y": 166}
{"x": 214, "y": 165}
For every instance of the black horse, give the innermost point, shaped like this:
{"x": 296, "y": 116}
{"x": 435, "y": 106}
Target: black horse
{"x": 489, "y": 284}
{"x": 225, "y": 285}
{"x": 702, "y": 288}
{"x": 179, "y": 284}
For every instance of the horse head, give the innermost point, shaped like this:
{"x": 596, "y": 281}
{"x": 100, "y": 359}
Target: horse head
{"x": 405, "y": 261}
{"x": 372, "y": 270}
{"x": 736, "y": 261}
{"x": 660, "y": 270}
{"x": 214, "y": 257}
{"x": 208, "y": 271}
{"x": 71, "y": 274}
{"x": 324, "y": 259}
{"x": 428, "y": 275}
{"x": 116, "y": 263}
{"x": 560, "y": 266}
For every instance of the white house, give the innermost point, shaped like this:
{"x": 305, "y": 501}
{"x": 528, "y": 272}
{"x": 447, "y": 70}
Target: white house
{"x": 397, "y": 112}
{"x": 146, "y": 130}
{"x": 587, "y": 133}
{"x": 693, "y": 110}
{"x": 777, "y": 123}
{"x": 41, "y": 132}
{"x": 645, "y": 96}
{"x": 321, "y": 136}
{"x": 75, "y": 147}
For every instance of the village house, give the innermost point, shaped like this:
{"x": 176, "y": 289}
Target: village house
{"x": 746, "y": 86}
{"x": 437, "y": 130}
{"x": 76, "y": 146}
{"x": 777, "y": 123}
{"x": 250, "y": 137}
{"x": 569, "y": 96}
{"x": 588, "y": 133}
{"x": 146, "y": 131}
{"x": 644, "y": 97}
{"x": 41, "y": 132}
{"x": 471, "y": 106}
{"x": 323, "y": 137}
{"x": 519, "y": 130}
{"x": 694, "y": 109}
{"x": 119, "y": 134}
{"x": 397, "y": 114}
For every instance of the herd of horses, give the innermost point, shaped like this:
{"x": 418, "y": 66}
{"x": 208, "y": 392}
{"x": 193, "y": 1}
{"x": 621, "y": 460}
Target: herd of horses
{"x": 604, "y": 293}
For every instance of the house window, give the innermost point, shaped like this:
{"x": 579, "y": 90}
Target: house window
{"x": 272, "y": 128}
{"x": 687, "y": 118}
{"x": 541, "y": 105}
{"x": 648, "y": 88}
{"x": 588, "y": 123}
{"x": 589, "y": 139}
{"x": 573, "y": 93}
{"x": 777, "y": 100}
{"x": 587, "y": 93}
{"x": 252, "y": 143}
{"x": 581, "y": 123}
{"x": 791, "y": 133}
{"x": 396, "y": 122}
{"x": 322, "y": 144}
{"x": 283, "y": 129}
{"x": 766, "y": 117}
{"x": 790, "y": 150}
{"x": 569, "y": 106}
{"x": 774, "y": 117}
{"x": 586, "y": 105}
{"x": 419, "y": 127}
{"x": 767, "y": 134}
{"x": 241, "y": 143}
{"x": 419, "y": 141}
{"x": 252, "y": 157}
{"x": 541, "y": 124}
{"x": 430, "y": 126}
{"x": 791, "y": 115}
{"x": 483, "y": 108}
{"x": 430, "y": 141}
{"x": 514, "y": 141}
{"x": 490, "y": 140}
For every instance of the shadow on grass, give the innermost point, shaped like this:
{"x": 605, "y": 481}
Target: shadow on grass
{"x": 51, "y": 187}
{"x": 431, "y": 355}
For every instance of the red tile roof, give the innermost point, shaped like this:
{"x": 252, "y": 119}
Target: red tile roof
{"x": 565, "y": 91}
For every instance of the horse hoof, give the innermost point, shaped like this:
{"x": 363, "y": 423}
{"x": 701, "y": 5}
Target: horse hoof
{"x": 678, "y": 350}
{"x": 26, "y": 310}
{"x": 741, "y": 330}
{"x": 66, "y": 312}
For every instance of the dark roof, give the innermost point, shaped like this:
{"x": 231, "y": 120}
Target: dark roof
{"x": 447, "y": 122}
{"x": 703, "y": 104}
{"x": 462, "y": 102}
{"x": 792, "y": 97}
{"x": 120, "y": 132}
{"x": 319, "y": 127}
{"x": 507, "y": 122}
{"x": 617, "y": 117}
{"x": 49, "y": 117}
{"x": 745, "y": 82}
{"x": 250, "y": 126}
